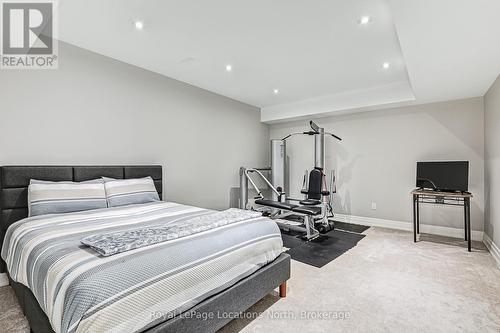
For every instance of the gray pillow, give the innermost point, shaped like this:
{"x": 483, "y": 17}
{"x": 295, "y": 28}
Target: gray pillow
{"x": 46, "y": 197}
{"x": 121, "y": 192}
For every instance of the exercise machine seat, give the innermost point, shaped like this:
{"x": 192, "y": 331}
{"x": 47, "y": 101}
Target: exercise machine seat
{"x": 314, "y": 189}
{"x": 275, "y": 204}
{"x": 308, "y": 210}
{"x": 310, "y": 202}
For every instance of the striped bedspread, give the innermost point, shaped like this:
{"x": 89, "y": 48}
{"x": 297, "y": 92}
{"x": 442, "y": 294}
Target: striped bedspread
{"x": 81, "y": 291}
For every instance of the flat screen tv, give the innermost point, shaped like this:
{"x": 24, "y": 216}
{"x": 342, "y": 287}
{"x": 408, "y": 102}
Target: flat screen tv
{"x": 450, "y": 176}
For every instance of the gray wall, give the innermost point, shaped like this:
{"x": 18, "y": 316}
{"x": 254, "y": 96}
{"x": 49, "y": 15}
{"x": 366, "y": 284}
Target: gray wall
{"x": 95, "y": 110}
{"x": 376, "y": 161}
{"x": 492, "y": 162}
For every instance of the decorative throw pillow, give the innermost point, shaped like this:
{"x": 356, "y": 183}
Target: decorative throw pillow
{"x": 45, "y": 197}
{"x": 121, "y": 192}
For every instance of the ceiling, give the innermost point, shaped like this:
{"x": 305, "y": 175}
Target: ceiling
{"x": 451, "y": 47}
{"x": 317, "y": 54}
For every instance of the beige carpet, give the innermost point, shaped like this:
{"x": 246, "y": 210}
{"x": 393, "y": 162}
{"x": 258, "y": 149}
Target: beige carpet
{"x": 385, "y": 284}
{"x": 11, "y": 315}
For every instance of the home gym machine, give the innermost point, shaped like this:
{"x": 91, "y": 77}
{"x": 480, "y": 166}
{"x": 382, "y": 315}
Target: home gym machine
{"x": 315, "y": 209}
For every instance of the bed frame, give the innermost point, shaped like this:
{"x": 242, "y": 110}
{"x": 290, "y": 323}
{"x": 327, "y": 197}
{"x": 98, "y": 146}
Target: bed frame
{"x": 14, "y": 181}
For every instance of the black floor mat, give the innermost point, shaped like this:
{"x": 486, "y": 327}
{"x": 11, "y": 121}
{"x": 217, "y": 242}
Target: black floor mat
{"x": 321, "y": 250}
{"x": 357, "y": 228}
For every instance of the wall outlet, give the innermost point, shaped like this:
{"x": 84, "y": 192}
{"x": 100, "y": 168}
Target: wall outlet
{"x": 374, "y": 205}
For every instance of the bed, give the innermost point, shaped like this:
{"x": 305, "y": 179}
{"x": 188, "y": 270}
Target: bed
{"x": 216, "y": 276}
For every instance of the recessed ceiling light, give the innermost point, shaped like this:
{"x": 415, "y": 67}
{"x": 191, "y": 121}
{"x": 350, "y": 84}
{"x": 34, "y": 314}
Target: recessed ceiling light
{"x": 386, "y": 65}
{"x": 276, "y": 91}
{"x": 229, "y": 68}
{"x": 139, "y": 25}
{"x": 364, "y": 20}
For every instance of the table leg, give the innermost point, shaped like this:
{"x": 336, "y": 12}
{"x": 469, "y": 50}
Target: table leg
{"x": 418, "y": 215}
{"x": 465, "y": 218}
{"x": 414, "y": 219}
{"x": 468, "y": 225}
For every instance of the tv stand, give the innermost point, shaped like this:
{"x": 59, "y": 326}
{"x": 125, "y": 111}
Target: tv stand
{"x": 441, "y": 198}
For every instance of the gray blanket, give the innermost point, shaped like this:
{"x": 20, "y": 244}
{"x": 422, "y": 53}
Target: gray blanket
{"x": 107, "y": 244}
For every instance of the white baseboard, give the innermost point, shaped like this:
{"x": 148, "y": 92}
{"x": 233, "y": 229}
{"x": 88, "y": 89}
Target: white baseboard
{"x": 4, "y": 280}
{"x": 406, "y": 226}
{"x": 494, "y": 249}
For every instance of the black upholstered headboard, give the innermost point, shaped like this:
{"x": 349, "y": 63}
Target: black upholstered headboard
{"x": 14, "y": 181}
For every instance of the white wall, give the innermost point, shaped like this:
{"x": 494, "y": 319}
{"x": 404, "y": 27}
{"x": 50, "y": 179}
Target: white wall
{"x": 377, "y": 158}
{"x": 95, "y": 110}
{"x": 492, "y": 162}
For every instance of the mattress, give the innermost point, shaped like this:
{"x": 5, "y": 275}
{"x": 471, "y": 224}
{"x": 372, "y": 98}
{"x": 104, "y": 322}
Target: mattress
{"x": 81, "y": 291}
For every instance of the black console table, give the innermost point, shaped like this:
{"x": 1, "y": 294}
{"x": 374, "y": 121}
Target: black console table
{"x": 441, "y": 198}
